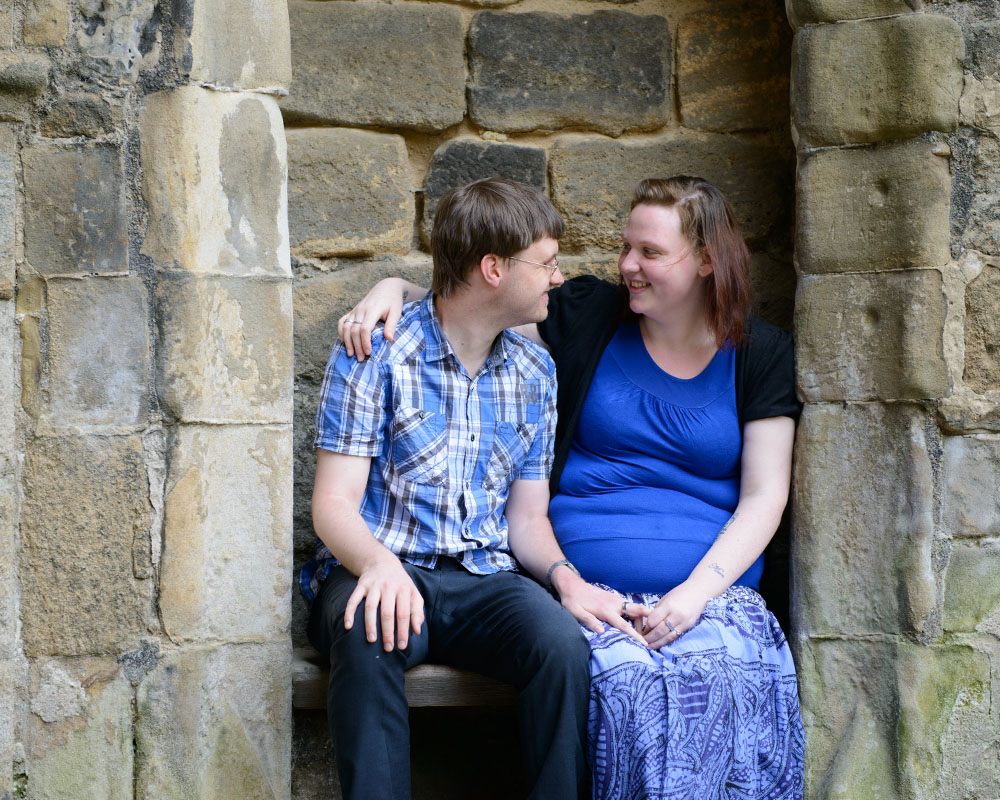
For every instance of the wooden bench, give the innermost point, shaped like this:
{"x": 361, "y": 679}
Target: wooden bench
{"x": 426, "y": 685}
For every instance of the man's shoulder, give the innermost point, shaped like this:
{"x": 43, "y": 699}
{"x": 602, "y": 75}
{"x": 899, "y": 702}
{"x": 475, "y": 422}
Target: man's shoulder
{"x": 528, "y": 355}
{"x": 408, "y": 340}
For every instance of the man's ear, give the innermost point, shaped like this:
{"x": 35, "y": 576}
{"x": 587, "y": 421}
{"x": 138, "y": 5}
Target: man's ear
{"x": 491, "y": 268}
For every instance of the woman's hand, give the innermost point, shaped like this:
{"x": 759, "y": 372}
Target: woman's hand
{"x": 384, "y": 301}
{"x": 678, "y": 611}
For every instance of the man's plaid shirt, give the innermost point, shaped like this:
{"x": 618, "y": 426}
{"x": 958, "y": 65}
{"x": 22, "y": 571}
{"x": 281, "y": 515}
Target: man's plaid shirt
{"x": 445, "y": 446}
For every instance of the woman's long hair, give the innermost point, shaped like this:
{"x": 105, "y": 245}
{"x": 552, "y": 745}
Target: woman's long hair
{"x": 708, "y": 223}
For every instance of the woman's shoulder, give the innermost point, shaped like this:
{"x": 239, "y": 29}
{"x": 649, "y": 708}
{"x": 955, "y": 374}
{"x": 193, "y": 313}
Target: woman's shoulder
{"x": 765, "y": 372}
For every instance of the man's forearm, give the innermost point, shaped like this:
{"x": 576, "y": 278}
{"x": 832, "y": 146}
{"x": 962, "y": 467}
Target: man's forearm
{"x": 345, "y": 533}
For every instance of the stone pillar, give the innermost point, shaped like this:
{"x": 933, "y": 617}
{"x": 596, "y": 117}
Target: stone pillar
{"x": 896, "y": 635}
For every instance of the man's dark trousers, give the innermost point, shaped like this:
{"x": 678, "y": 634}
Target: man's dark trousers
{"x": 503, "y": 625}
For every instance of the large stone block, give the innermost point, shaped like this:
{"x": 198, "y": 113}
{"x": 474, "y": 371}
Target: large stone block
{"x": 976, "y": 192}
{"x": 972, "y": 593}
{"x": 8, "y": 210}
{"x": 98, "y": 353}
{"x": 971, "y": 475}
{"x": 83, "y": 114}
{"x": 871, "y": 337}
{"x": 982, "y": 331}
{"x": 214, "y": 723}
{"x": 22, "y": 77}
{"x": 877, "y": 80}
{"x": 807, "y": 12}
{"x": 75, "y": 218}
{"x": 226, "y": 569}
{"x": 46, "y": 23}
{"x": 593, "y": 178}
{"x": 236, "y": 44}
{"x": 732, "y": 68}
{"x": 225, "y": 349}
{"x": 367, "y": 63}
{"x": 349, "y": 193}
{"x": 519, "y": 82}
{"x": 463, "y": 160}
{"x": 863, "y": 519}
{"x": 873, "y": 209}
{"x": 80, "y": 730}
{"x": 85, "y": 540}
{"x": 214, "y": 170}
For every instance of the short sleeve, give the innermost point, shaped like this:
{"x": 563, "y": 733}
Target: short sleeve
{"x": 351, "y": 414}
{"x": 769, "y": 389}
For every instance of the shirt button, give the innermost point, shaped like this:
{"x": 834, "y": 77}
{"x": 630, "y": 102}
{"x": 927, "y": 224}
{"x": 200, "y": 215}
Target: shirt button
{"x": 472, "y": 437}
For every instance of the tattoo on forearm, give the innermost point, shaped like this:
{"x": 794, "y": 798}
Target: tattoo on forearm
{"x": 729, "y": 522}
{"x": 406, "y": 294}
{"x": 717, "y": 570}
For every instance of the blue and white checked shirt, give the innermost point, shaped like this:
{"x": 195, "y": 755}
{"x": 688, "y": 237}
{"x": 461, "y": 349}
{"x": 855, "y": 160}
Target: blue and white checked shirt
{"x": 445, "y": 446}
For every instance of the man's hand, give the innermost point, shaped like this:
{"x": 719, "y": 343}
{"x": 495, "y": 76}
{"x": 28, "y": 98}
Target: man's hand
{"x": 590, "y": 605}
{"x": 390, "y": 597}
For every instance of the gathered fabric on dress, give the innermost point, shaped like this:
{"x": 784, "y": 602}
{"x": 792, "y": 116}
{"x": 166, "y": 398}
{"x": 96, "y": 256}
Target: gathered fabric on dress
{"x": 714, "y": 715}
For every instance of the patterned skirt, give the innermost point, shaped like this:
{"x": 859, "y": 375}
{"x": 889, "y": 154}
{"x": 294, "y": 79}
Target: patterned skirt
{"x": 713, "y": 715}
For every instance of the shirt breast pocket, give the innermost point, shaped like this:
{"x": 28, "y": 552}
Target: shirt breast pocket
{"x": 511, "y": 443}
{"x": 420, "y": 446}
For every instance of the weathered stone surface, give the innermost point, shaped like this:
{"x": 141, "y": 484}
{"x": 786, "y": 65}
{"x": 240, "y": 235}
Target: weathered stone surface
{"x": 593, "y": 178}
{"x": 773, "y": 283}
{"x": 370, "y": 64}
{"x": 85, "y": 538}
{"x": 873, "y": 209}
{"x": 976, "y": 192}
{"x": 80, "y": 731}
{"x": 220, "y": 580}
{"x": 982, "y": 331}
{"x": 947, "y": 743}
{"x": 214, "y": 723}
{"x": 8, "y": 210}
{"x": 7, "y": 26}
{"x": 349, "y": 193}
{"x": 463, "y": 160}
{"x": 118, "y": 37}
{"x": 877, "y": 80}
{"x": 971, "y": 472}
{"x": 519, "y": 82}
{"x": 46, "y": 23}
{"x": 9, "y": 340}
{"x": 863, "y": 520}
{"x": 972, "y": 593}
{"x": 732, "y": 68}
{"x": 980, "y": 105}
{"x": 80, "y": 115}
{"x": 807, "y": 12}
{"x": 214, "y": 168}
{"x": 225, "y": 349}
{"x": 871, "y": 337}
{"x": 10, "y": 716}
{"x": 238, "y": 44}
{"x": 22, "y": 76}
{"x": 98, "y": 353}
{"x": 74, "y": 209}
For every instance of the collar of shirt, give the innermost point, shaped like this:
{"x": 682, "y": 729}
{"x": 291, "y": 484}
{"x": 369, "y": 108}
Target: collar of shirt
{"x": 437, "y": 345}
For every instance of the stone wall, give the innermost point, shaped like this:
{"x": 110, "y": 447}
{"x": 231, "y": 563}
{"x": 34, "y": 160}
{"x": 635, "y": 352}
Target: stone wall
{"x": 896, "y": 116}
{"x": 145, "y": 400}
{"x": 392, "y": 104}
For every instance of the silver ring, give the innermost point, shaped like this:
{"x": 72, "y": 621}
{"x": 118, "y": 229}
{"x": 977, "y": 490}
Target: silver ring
{"x": 354, "y": 321}
{"x": 624, "y": 609}
{"x": 672, "y": 628}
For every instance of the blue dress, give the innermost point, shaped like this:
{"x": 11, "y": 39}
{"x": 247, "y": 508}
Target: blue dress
{"x": 652, "y": 475}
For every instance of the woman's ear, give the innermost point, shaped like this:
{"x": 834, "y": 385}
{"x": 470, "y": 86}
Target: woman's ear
{"x": 705, "y": 268}
{"x": 491, "y": 269}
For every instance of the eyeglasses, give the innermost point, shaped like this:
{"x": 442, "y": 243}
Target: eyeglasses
{"x": 550, "y": 267}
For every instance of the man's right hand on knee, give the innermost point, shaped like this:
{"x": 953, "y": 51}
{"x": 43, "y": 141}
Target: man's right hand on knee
{"x": 391, "y": 598}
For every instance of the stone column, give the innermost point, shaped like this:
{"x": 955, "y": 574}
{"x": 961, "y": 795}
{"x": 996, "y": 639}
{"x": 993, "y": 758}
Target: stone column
{"x": 893, "y": 640}
{"x": 214, "y": 716}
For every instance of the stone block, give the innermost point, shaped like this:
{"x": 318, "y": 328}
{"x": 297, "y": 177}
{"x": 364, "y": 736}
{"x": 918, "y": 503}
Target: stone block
{"x": 10, "y": 718}
{"x": 519, "y": 81}
{"x": 46, "y": 23}
{"x": 971, "y": 474}
{"x": 236, "y": 44}
{"x": 225, "y": 348}
{"x": 982, "y": 331}
{"x": 80, "y": 115}
{"x": 463, "y": 160}
{"x": 214, "y": 723}
{"x": 119, "y": 38}
{"x": 8, "y": 210}
{"x": 214, "y": 173}
{"x": 877, "y": 80}
{"x": 808, "y": 12}
{"x": 976, "y": 192}
{"x": 349, "y": 193}
{"x": 862, "y": 210}
{"x": 22, "y": 77}
{"x": 75, "y": 219}
{"x": 732, "y": 68}
{"x": 8, "y": 486}
{"x": 863, "y": 520}
{"x": 369, "y": 64}
{"x": 871, "y": 336}
{"x": 972, "y": 592}
{"x": 98, "y": 353}
{"x": 947, "y": 743}
{"x": 592, "y": 179}
{"x": 6, "y": 26}
{"x": 220, "y": 580}
{"x": 80, "y": 730}
{"x": 773, "y": 283}
{"x": 84, "y": 539}
{"x": 980, "y": 104}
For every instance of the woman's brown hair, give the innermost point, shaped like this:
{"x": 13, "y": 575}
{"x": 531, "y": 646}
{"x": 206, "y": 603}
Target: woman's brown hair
{"x": 708, "y": 223}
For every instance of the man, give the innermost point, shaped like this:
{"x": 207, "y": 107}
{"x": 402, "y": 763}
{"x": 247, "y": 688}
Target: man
{"x": 431, "y": 479}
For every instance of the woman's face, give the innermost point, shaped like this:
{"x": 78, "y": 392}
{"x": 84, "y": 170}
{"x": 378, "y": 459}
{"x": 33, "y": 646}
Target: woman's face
{"x": 661, "y": 268}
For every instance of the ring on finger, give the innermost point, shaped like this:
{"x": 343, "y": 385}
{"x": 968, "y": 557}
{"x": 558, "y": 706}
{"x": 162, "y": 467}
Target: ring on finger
{"x": 354, "y": 321}
{"x": 671, "y": 627}
{"x": 624, "y": 609}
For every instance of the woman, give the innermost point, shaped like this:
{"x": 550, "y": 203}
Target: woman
{"x": 673, "y": 460}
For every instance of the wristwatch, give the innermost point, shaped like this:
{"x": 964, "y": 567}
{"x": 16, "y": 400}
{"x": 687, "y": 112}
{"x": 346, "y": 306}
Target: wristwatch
{"x": 548, "y": 576}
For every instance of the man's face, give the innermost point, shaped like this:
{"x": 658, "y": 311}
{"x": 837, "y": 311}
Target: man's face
{"x": 530, "y": 275}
